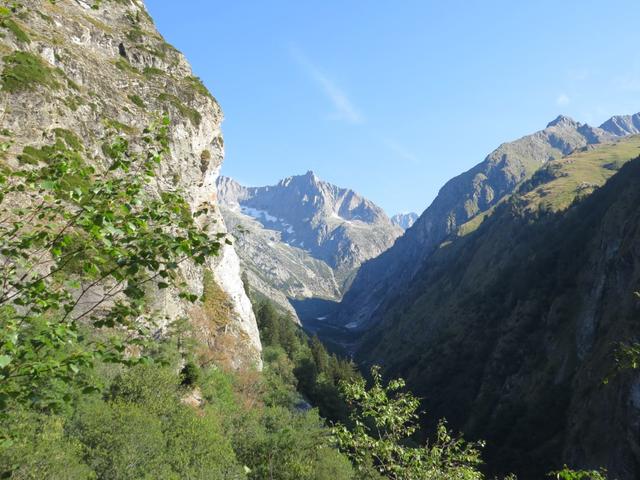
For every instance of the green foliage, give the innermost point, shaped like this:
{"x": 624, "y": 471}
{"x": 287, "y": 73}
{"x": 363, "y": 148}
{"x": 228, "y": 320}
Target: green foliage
{"x": 567, "y": 474}
{"x": 119, "y": 126}
{"x": 69, "y": 138}
{"x": 24, "y": 71}
{"x": 195, "y": 83}
{"x": 142, "y": 430}
{"x": 39, "y": 448}
{"x": 125, "y": 66}
{"x": 121, "y": 440}
{"x": 191, "y": 114}
{"x": 385, "y": 419}
{"x": 82, "y": 248}
{"x": 628, "y": 356}
{"x": 292, "y": 446}
{"x": 136, "y": 34}
{"x": 190, "y": 374}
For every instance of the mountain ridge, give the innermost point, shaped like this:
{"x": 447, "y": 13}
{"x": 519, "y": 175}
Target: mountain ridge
{"x": 461, "y": 199}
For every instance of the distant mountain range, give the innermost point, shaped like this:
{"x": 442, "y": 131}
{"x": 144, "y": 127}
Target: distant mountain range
{"x": 303, "y": 237}
{"x": 404, "y": 220}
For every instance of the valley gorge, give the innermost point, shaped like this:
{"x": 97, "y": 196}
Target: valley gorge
{"x": 161, "y": 320}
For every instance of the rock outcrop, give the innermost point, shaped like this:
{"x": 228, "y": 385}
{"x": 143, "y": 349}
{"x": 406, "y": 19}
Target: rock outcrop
{"x": 623, "y": 125}
{"x": 91, "y": 68}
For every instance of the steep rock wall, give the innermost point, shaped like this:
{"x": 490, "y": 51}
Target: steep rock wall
{"x": 96, "y": 67}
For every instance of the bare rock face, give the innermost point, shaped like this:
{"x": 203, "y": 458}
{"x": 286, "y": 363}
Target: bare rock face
{"x": 107, "y": 68}
{"x": 404, "y": 220}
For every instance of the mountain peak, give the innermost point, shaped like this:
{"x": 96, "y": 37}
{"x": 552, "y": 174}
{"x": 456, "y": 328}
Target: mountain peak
{"x": 311, "y": 177}
{"x": 562, "y": 120}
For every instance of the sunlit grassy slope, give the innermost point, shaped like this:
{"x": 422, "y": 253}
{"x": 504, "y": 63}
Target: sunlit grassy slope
{"x": 557, "y": 184}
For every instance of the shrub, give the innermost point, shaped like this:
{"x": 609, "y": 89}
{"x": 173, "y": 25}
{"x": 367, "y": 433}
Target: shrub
{"x": 384, "y": 419}
{"x": 38, "y": 448}
{"x": 121, "y": 440}
{"x": 190, "y": 374}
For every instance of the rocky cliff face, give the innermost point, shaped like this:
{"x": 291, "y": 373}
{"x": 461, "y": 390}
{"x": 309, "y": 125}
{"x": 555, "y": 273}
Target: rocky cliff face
{"x": 303, "y": 237}
{"x": 85, "y": 69}
{"x": 460, "y": 200}
{"x": 510, "y": 331}
{"x": 404, "y": 220}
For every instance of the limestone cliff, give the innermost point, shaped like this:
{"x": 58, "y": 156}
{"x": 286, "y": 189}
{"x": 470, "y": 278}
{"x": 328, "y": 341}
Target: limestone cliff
{"x": 84, "y": 69}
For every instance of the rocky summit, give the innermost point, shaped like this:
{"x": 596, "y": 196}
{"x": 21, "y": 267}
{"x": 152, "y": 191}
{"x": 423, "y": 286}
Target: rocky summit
{"x": 303, "y": 237}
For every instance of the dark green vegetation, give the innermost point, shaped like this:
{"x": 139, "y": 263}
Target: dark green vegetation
{"x": 510, "y": 331}
{"x": 7, "y": 21}
{"x": 14, "y": 28}
{"x": 197, "y": 85}
{"x": 316, "y": 373}
{"x": 146, "y": 421}
{"x": 136, "y": 100}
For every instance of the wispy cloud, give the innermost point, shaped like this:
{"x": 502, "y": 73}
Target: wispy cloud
{"x": 563, "y": 100}
{"x": 627, "y": 83}
{"x": 578, "y": 74}
{"x": 400, "y": 151}
{"x": 344, "y": 108}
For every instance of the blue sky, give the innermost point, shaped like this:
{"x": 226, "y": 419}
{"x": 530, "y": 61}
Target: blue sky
{"x": 394, "y": 98}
